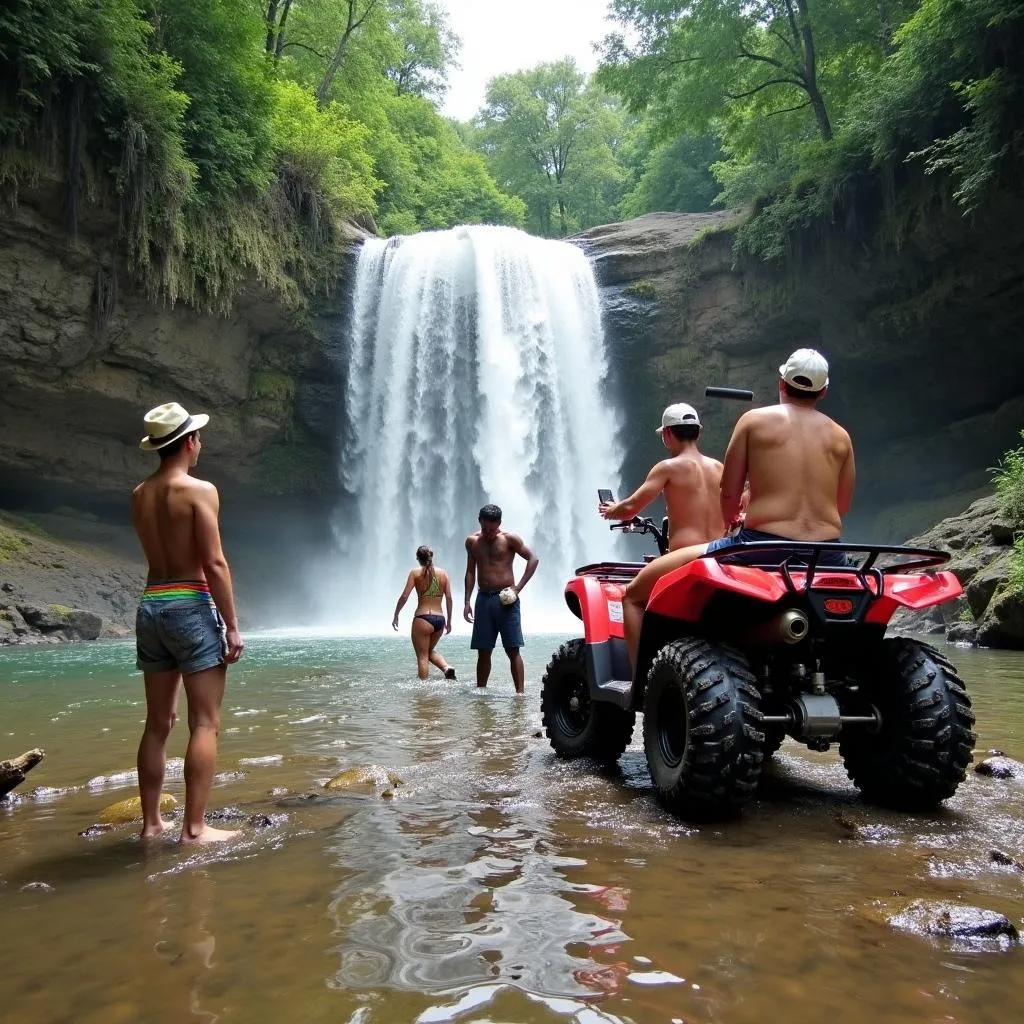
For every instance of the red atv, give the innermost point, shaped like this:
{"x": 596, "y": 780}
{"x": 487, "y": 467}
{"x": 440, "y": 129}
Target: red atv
{"x": 734, "y": 657}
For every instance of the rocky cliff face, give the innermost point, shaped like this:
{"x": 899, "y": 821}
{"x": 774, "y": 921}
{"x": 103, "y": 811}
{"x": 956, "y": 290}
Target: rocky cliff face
{"x": 991, "y": 610}
{"x": 83, "y": 354}
{"x": 924, "y": 344}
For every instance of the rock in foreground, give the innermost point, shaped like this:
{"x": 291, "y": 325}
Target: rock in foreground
{"x": 967, "y": 927}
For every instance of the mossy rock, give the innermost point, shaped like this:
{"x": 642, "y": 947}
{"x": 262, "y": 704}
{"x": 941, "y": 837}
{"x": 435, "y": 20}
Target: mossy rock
{"x": 125, "y": 811}
{"x": 271, "y": 394}
{"x": 10, "y": 544}
{"x": 294, "y": 469}
{"x": 367, "y": 779}
{"x": 643, "y": 289}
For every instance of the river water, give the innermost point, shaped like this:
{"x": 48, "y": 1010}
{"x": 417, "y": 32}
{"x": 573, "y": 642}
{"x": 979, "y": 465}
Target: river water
{"x": 497, "y": 884}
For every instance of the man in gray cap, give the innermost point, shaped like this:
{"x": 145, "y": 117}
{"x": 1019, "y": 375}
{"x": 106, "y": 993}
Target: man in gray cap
{"x": 690, "y": 483}
{"x": 186, "y": 627}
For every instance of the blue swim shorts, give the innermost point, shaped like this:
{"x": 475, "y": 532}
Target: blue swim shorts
{"x": 828, "y": 558}
{"x": 177, "y": 626}
{"x": 491, "y": 618}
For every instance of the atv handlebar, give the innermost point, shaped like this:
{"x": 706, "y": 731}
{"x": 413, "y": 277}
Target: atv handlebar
{"x": 645, "y": 525}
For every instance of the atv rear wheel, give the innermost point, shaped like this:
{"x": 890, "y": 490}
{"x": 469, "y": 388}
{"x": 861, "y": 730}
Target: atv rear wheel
{"x": 920, "y": 755}
{"x": 702, "y": 728}
{"x": 576, "y": 725}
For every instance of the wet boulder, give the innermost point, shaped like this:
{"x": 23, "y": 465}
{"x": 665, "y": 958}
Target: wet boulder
{"x": 13, "y": 772}
{"x": 967, "y": 927}
{"x": 68, "y": 623}
{"x": 1000, "y": 767}
{"x": 125, "y": 811}
{"x": 368, "y": 780}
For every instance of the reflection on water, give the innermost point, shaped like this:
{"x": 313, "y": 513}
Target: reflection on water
{"x": 493, "y": 884}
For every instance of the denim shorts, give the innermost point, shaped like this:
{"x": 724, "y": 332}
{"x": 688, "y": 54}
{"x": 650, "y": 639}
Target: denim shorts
{"x": 491, "y": 618}
{"x": 187, "y": 635}
{"x": 828, "y": 558}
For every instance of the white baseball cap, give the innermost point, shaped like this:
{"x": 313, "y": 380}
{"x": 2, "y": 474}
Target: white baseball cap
{"x": 679, "y": 415}
{"x": 806, "y": 370}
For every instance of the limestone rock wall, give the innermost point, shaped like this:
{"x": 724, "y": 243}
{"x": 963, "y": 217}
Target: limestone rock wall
{"x": 924, "y": 341}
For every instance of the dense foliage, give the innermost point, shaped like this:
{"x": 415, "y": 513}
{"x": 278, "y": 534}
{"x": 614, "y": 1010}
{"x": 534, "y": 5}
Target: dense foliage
{"x": 822, "y": 105}
{"x": 235, "y": 135}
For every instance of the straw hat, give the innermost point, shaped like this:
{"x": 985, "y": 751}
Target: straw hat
{"x": 166, "y": 423}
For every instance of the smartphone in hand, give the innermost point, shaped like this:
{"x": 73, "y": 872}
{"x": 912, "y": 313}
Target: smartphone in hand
{"x": 604, "y": 496}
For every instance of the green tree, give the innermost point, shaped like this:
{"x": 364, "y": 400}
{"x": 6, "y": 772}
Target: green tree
{"x": 675, "y": 176}
{"x": 551, "y": 139}
{"x": 227, "y": 128}
{"x": 426, "y": 49}
{"x": 694, "y": 59}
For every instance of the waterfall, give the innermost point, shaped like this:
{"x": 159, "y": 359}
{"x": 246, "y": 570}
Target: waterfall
{"x": 476, "y": 373}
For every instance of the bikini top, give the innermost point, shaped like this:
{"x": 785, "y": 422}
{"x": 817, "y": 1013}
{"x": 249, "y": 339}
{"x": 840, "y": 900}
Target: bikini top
{"x": 433, "y": 587}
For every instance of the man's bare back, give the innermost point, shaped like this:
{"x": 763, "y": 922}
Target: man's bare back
{"x": 692, "y": 496}
{"x": 800, "y": 466}
{"x": 164, "y": 514}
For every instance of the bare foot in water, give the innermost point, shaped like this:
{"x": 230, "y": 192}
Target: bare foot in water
{"x": 152, "y": 831}
{"x": 208, "y": 834}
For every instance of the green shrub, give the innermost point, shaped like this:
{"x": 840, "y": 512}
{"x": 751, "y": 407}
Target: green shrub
{"x": 1015, "y": 582}
{"x": 1009, "y": 479}
{"x": 10, "y": 544}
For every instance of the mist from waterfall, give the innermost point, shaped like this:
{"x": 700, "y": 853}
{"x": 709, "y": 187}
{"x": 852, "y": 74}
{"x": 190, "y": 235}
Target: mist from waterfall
{"x": 476, "y": 373}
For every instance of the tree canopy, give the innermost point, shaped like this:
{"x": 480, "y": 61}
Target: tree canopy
{"x": 235, "y": 135}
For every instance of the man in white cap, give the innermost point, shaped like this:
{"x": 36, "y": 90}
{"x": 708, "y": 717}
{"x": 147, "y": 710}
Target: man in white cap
{"x": 798, "y": 461}
{"x": 186, "y": 627}
{"x": 690, "y": 483}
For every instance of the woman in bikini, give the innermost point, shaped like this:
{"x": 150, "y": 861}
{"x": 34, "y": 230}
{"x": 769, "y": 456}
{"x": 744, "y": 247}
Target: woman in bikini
{"x": 428, "y": 623}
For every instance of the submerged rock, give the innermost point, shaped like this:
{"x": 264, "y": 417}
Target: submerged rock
{"x": 970, "y": 927}
{"x": 37, "y": 887}
{"x": 368, "y": 779}
{"x": 1004, "y": 860}
{"x": 125, "y": 811}
{"x": 1000, "y": 767}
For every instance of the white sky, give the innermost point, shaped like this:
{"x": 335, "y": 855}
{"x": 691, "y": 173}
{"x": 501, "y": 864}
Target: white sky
{"x": 498, "y": 37}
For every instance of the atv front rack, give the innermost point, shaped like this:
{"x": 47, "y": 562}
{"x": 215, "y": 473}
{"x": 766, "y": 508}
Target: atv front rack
{"x": 805, "y": 556}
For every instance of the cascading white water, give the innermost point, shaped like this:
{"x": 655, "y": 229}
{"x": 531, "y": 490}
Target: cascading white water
{"x": 476, "y": 373}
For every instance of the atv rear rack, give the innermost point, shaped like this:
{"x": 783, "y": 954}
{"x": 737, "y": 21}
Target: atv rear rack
{"x": 804, "y": 556}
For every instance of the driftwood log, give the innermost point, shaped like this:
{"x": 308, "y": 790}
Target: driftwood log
{"x": 13, "y": 772}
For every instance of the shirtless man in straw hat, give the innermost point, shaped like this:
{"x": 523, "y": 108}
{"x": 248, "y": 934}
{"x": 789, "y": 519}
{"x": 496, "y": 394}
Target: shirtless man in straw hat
{"x": 185, "y": 627}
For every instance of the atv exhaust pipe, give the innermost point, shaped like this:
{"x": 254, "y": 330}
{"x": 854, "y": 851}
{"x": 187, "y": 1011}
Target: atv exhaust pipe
{"x": 788, "y": 627}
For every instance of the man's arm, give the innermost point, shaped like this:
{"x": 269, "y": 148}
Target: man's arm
{"x": 467, "y": 611}
{"x": 734, "y": 473}
{"x": 409, "y": 584}
{"x": 847, "y": 479}
{"x": 517, "y": 544}
{"x": 640, "y": 498}
{"x": 215, "y": 565}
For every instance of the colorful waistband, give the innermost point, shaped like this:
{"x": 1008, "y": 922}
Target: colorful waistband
{"x": 178, "y": 590}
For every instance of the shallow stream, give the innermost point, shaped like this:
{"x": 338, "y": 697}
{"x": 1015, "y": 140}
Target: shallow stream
{"x": 495, "y": 884}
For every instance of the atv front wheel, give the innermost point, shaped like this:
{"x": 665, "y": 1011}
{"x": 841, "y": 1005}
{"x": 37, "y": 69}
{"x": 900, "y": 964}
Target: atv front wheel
{"x": 920, "y": 754}
{"x": 576, "y": 725}
{"x": 702, "y": 728}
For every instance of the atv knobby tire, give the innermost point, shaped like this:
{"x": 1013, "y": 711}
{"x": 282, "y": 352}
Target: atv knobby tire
{"x": 702, "y": 728}
{"x": 576, "y": 725}
{"x": 920, "y": 755}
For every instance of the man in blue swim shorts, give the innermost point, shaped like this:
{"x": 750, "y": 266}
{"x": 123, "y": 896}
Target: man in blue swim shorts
{"x": 490, "y": 553}
{"x": 186, "y": 629}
